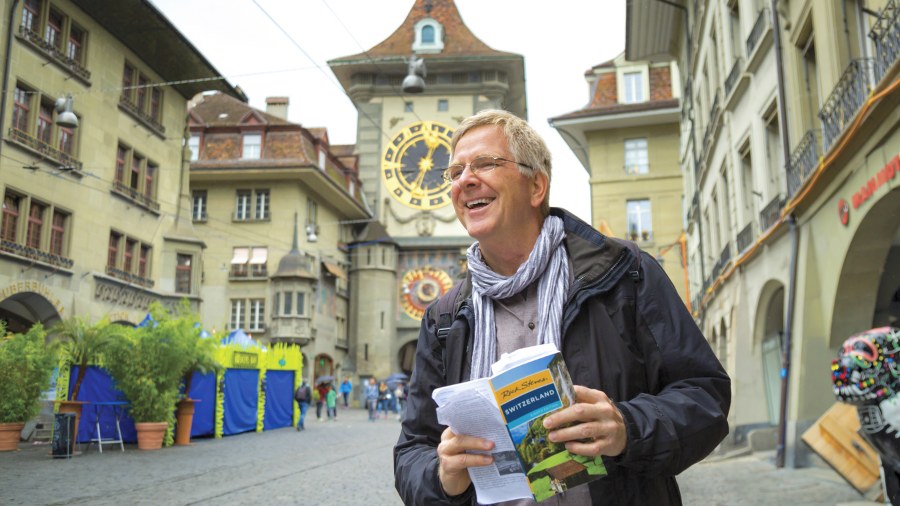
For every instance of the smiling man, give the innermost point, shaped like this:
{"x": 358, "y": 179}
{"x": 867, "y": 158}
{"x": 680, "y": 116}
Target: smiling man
{"x": 652, "y": 397}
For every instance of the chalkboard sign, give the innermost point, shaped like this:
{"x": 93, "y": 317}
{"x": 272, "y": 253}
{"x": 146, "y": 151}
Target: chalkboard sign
{"x": 63, "y": 435}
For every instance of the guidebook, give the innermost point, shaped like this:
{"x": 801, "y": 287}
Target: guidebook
{"x": 509, "y": 409}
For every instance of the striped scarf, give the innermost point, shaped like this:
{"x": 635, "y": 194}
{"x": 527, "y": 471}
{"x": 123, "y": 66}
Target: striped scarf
{"x": 548, "y": 264}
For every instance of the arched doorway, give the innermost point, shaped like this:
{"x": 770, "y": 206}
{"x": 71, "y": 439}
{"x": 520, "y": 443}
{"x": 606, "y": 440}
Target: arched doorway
{"x": 22, "y": 310}
{"x": 407, "y": 357}
{"x": 773, "y": 334}
{"x": 323, "y": 366}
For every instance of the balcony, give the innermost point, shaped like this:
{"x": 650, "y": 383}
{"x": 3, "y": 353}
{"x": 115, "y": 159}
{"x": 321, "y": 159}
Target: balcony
{"x": 30, "y": 253}
{"x": 804, "y": 161}
{"x": 135, "y": 196}
{"x": 733, "y": 76}
{"x": 129, "y": 277}
{"x": 848, "y": 96}
{"x": 142, "y": 117}
{"x": 56, "y": 56}
{"x": 241, "y": 272}
{"x": 47, "y": 151}
{"x": 771, "y": 213}
{"x": 756, "y": 33}
{"x": 745, "y": 238}
{"x": 886, "y": 35}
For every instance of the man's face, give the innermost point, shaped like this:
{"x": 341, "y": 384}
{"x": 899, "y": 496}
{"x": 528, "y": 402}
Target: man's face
{"x": 493, "y": 204}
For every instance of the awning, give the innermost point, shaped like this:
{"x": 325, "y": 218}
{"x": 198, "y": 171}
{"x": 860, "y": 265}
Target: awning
{"x": 259, "y": 255}
{"x": 241, "y": 255}
{"x": 335, "y": 270}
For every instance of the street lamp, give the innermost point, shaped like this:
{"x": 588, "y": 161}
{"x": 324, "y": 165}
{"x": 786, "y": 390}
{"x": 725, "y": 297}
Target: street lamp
{"x": 414, "y": 82}
{"x": 66, "y": 118}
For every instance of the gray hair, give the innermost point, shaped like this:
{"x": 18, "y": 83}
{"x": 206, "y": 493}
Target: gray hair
{"x": 525, "y": 144}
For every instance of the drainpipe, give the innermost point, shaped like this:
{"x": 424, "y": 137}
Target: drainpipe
{"x": 795, "y": 243}
{"x": 7, "y": 63}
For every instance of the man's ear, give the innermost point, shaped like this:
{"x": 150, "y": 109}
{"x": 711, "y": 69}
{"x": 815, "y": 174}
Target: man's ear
{"x": 540, "y": 185}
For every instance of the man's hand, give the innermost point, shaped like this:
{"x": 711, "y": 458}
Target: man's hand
{"x": 598, "y": 426}
{"x": 454, "y": 461}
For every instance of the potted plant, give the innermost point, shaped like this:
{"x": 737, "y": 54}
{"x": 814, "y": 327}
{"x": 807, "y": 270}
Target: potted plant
{"x": 80, "y": 343}
{"x": 26, "y": 363}
{"x": 147, "y": 365}
{"x": 201, "y": 351}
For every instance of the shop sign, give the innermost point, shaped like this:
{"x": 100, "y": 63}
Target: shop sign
{"x": 844, "y": 212}
{"x": 883, "y": 176}
{"x": 245, "y": 360}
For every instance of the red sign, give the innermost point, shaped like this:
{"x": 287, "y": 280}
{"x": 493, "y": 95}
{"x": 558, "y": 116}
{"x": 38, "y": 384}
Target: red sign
{"x": 883, "y": 176}
{"x": 844, "y": 212}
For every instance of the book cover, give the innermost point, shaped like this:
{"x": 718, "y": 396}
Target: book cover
{"x": 528, "y": 386}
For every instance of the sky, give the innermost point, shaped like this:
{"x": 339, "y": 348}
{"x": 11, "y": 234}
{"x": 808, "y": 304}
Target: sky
{"x": 281, "y": 48}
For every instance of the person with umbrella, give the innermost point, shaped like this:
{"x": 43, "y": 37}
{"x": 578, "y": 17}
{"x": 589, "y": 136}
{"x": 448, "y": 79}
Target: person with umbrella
{"x": 323, "y": 383}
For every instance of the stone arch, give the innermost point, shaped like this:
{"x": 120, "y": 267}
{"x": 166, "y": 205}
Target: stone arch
{"x": 722, "y": 350}
{"x": 868, "y": 280}
{"x": 24, "y": 303}
{"x": 323, "y": 366}
{"x": 406, "y": 357}
{"x": 769, "y": 333}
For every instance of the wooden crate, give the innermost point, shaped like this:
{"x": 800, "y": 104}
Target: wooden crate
{"x": 835, "y": 437}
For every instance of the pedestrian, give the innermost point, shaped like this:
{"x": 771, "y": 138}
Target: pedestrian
{"x": 400, "y": 398}
{"x": 384, "y": 399}
{"x": 346, "y": 388}
{"x": 322, "y": 390}
{"x": 302, "y": 395}
{"x": 652, "y": 398}
{"x": 371, "y": 398}
{"x": 331, "y": 403}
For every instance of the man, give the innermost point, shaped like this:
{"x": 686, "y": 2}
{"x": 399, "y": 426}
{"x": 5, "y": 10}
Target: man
{"x": 652, "y": 397}
{"x": 371, "y": 398}
{"x": 302, "y": 396}
{"x": 346, "y": 388}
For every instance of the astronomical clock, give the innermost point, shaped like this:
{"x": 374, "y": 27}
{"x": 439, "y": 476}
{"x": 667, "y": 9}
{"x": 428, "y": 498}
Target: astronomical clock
{"x": 413, "y": 163}
{"x": 421, "y": 286}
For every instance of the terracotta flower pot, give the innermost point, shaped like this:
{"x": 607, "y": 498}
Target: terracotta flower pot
{"x": 150, "y": 435}
{"x": 184, "y": 417}
{"x": 9, "y": 436}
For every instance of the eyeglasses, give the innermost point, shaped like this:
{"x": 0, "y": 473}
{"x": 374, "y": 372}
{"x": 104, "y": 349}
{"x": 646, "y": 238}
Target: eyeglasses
{"x": 480, "y": 164}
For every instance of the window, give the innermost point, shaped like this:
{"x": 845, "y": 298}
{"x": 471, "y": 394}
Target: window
{"x": 198, "y": 207}
{"x": 636, "y": 156}
{"x": 194, "y": 144}
{"x": 35, "y": 225}
{"x": 249, "y": 261}
{"x": 58, "y": 232}
{"x": 53, "y": 33}
{"x": 237, "y": 314}
{"x": 141, "y": 180}
{"x": 443, "y": 105}
{"x": 639, "y": 224}
{"x": 252, "y": 146}
{"x": 288, "y": 304}
{"x": 31, "y": 15}
{"x": 242, "y": 205}
{"x": 773, "y": 146}
{"x": 142, "y": 97}
{"x": 257, "y": 309}
{"x": 746, "y": 183}
{"x": 407, "y": 107}
{"x": 301, "y": 304}
{"x": 75, "y": 45}
{"x": 21, "y": 108}
{"x": 45, "y": 123}
{"x": 255, "y": 200}
{"x": 427, "y": 34}
{"x": 633, "y": 88}
{"x": 312, "y": 217}
{"x": 128, "y": 258}
{"x": 67, "y": 140}
{"x": 183, "y": 273}
{"x": 11, "y": 205}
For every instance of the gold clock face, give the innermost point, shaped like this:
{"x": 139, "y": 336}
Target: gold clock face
{"x": 413, "y": 163}
{"x": 420, "y": 287}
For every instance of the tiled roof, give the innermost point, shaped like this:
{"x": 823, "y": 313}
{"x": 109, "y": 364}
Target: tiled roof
{"x": 619, "y": 109}
{"x": 458, "y": 41}
{"x": 213, "y": 106}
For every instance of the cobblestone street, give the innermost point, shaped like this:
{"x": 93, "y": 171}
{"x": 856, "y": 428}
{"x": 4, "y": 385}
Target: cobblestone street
{"x": 347, "y": 462}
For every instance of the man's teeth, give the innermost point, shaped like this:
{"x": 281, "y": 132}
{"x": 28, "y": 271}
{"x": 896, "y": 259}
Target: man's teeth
{"x": 475, "y": 203}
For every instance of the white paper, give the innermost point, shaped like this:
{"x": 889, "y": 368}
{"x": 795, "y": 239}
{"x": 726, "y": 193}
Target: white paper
{"x": 469, "y": 408}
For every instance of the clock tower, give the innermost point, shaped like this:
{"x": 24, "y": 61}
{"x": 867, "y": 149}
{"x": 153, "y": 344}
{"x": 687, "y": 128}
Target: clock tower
{"x": 403, "y": 143}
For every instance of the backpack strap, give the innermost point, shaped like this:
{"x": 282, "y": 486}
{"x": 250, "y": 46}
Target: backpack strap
{"x": 446, "y": 312}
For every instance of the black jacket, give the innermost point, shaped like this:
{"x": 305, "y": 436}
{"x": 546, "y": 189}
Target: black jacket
{"x": 632, "y": 339}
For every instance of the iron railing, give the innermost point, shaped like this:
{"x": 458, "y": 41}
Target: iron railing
{"x": 149, "y": 121}
{"x": 65, "y": 159}
{"x": 804, "y": 160}
{"x": 53, "y": 52}
{"x": 848, "y": 96}
{"x": 886, "y": 35}
{"x": 745, "y": 238}
{"x": 771, "y": 213}
{"x": 759, "y": 28}
{"x": 733, "y": 76}
{"x": 725, "y": 256}
{"x": 711, "y": 124}
{"x": 129, "y": 277}
{"x": 36, "y": 254}
{"x": 131, "y": 193}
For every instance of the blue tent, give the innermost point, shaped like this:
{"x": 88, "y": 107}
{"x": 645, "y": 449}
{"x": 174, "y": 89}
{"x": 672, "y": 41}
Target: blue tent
{"x": 240, "y": 338}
